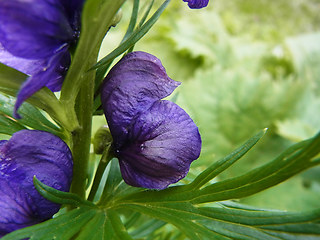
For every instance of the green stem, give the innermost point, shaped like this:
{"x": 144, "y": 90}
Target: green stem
{"x": 106, "y": 158}
{"x": 82, "y": 136}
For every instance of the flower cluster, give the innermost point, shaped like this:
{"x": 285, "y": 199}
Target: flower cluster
{"x": 155, "y": 140}
{"x": 31, "y": 153}
{"x": 35, "y": 37}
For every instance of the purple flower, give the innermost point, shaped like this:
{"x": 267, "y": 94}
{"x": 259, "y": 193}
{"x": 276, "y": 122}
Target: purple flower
{"x": 31, "y": 153}
{"x": 197, "y": 3}
{"x": 155, "y": 140}
{"x": 35, "y": 36}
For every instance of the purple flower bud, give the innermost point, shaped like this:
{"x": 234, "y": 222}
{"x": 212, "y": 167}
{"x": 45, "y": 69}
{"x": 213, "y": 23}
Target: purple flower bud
{"x": 155, "y": 140}
{"x": 35, "y": 36}
{"x": 197, "y": 3}
{"x": 31, "y": 153}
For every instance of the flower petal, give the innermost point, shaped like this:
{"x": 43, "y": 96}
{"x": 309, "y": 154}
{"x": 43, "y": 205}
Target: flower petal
{"x": 131, "y": 87}
{"x": 73, "y": 9}
{"x": 27, "y": 66}
{"x": 15, "y": 208}
{"x": 197, "y": 3}
{"x": 162, "y": 143}
{"x": 36, "y": 153}
{"x": 51, "y": 75}
{"x": 33, "y": 29}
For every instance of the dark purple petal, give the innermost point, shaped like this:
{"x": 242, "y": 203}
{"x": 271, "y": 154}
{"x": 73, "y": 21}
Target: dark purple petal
{"x": 162, "y": 143}
{"x": 33, "y": 29}
{"x": 16, "y": 207}
{"x": 33, "y": 153}
{"x": 130, "y": 88}
{"x": 197, "y": 3}
{"x": 51, "y": 75}
{"x": 27, "y": 66}
{"x": 73, "y": 9}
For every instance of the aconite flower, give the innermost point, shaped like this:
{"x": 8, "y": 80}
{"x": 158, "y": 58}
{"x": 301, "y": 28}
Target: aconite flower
{"x": 35, "y": 37}
{"x": 31, "y": 153}
{"x": 197, "y": 3}
{"x": 155, "y": 140}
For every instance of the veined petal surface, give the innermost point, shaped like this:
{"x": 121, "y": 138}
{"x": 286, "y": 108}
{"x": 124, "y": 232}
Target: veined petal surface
{"x": 27, "y": 154}
{"x": 155, "y": 140}
{"x": 162, "y": 143}
{"x": 131, "y": 87}
{"x": 33, "y": 29}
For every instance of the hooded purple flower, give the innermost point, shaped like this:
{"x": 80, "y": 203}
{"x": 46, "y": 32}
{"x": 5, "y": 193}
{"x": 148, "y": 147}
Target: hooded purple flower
{"x": 35, "y": 36}
{"x": 155, "y": 140}
{"x": 197, "y": 3}
{"x": 31, "y": 153}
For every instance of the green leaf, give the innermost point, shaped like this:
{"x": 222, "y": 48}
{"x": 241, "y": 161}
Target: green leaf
{"x": 283, "y": 224}
{"x": 11, "y": 78}
{"x": 228, "y": 113}
{"x": 59, "y": 196}
{"x": 216, "y": 168}
{"x": 9, "y": 126}
{"x": 31, "y": 116}
{"x": 181, "y": 215}
{"x": 62, "y": 227}
{"x": 96, "y": 228}
{"x": 117, "y": 225}
{"x": 133, "y": 20}
{"x": 115, "y": 187}
{"x": 304, "y": 48}
{"x": 294, "y": 160}
{"x": 147, "y": 228}
{"x": 235, "y": 223}
{"x": 10, "y": 82}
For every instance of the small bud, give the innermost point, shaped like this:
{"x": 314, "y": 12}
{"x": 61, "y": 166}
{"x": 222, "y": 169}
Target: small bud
{"x": 117, "y": 18}
{"x": 102, "y": 139}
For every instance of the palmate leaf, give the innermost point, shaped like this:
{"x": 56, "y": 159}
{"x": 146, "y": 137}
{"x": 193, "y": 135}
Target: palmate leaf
{"x": 228, "y": 113}
{"x": 231, "y": 223}
{"x": 294, "y": 160}
{"x": 179, "y": 206}
{"x": 83, "y": 222}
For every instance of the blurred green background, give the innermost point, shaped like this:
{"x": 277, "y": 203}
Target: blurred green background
{"x": 244, "y": 65}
